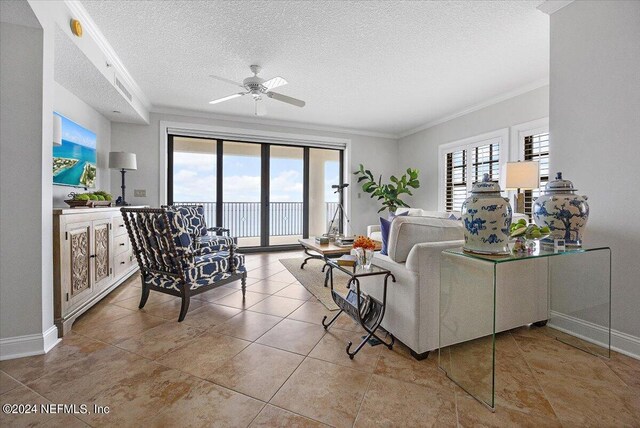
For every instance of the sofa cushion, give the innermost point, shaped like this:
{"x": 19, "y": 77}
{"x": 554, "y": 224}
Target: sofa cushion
{"x": 385, "y": 225}
{"x": 411, "y": 212}
{"x": 435, "y": 214}
{"x": 405, "y": 232}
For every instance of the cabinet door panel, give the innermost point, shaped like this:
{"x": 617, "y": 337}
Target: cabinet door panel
{"x": 101, "y": 250}
{"x": 79, "y": 248}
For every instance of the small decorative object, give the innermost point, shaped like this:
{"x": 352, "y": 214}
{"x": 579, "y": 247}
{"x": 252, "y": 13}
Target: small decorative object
{"x": 322, "y": 240}
{"x": 122, "y": 161}
{"x": 389, "y": 193}
{"x": 486, "y": 216}
{"x": 558, "y": 244}
{"x": 364, "y": 251}
{"x": 563, "y": 211}
{"x": 91, "y": 200}
{"x": 527, "y": 236}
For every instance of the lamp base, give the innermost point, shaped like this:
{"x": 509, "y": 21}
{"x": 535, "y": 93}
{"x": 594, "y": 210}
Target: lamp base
{"x": 519, "y": 203}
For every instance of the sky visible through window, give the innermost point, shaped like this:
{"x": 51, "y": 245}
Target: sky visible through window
{"x": 194, "y": 178}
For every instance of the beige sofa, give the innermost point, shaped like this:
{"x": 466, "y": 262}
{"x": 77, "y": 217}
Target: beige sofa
{"x": 414, "y": 248}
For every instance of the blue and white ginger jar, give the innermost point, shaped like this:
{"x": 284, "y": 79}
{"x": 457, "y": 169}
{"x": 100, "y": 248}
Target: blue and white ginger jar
{"x": 486, "y": 216}
{"x": 565, "y": 212}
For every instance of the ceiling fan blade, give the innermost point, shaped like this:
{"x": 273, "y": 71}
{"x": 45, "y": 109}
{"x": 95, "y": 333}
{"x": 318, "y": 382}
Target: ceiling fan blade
{"x": 274, "y": 83}
{"x": 260, "y": 108}
{"x": 222, "y": 79}
{"x": 286, "y": 99}
{"x": 230, "y": 97}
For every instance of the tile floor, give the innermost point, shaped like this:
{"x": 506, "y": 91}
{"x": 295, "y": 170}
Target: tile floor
{"x": 268, "y": 362}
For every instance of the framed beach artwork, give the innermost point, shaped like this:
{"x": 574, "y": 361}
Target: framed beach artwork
{"x": 74, "y": 162}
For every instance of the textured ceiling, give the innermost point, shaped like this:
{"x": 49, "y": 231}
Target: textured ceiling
{"x": 376, "y": 66}
{"x": 74, "y": 71}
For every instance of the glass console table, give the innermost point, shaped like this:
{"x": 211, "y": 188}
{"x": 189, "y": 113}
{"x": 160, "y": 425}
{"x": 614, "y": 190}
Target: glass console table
{"x": 481, "y": 295}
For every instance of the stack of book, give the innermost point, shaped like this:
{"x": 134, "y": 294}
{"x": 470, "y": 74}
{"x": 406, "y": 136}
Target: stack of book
{"x": 347, "y": 260}
{"x": 344, "y": 241}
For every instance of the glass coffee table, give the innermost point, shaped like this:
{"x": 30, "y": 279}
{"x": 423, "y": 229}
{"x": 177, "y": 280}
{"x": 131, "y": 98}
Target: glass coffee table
{"x": 481, "y": 295}
{"x": 365, "y": 310}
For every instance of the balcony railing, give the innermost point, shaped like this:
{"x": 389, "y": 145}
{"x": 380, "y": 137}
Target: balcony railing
{"x": 243, "y": 218}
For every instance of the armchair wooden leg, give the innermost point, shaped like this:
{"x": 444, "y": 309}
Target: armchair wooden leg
{"x": 145, "y": 295}
{"x": 184, "y": 307}
{"x": 243, "y": 281}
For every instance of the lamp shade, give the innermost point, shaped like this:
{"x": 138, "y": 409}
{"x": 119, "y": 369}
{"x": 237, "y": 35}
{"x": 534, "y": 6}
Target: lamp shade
{"x": 122, "y": 160}
{"x": 522, "y": 175}
{"x": 57, "y": 130}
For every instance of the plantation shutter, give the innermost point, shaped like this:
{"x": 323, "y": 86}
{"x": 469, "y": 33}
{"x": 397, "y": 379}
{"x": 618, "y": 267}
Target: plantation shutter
{"x": 536, "y": 148}
{"x": 456, "y": 181}
{"x": 473, "y": 162}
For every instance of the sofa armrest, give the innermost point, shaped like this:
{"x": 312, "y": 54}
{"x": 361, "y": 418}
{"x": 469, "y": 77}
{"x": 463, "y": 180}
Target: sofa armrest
{"x": 425, "y": 255}
{"x": 372, "y": 228}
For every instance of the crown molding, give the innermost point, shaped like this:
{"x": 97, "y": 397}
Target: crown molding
{"x": 268, "y": 122}
{"x": 503, "y": 97}
{"x": 552, "y": 6}
{"x": 81, "y": 14}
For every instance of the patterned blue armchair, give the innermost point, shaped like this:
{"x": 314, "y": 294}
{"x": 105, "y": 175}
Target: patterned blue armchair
{"x": 206, "y": 239}
{"x": 172, "y": 262}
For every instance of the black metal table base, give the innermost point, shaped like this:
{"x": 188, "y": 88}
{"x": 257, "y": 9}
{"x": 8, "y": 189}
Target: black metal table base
{"x": 369, "y": 325}
{"x": 310, "y": 257}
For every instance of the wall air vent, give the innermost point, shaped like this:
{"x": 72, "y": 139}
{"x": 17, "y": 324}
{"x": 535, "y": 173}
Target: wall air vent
{"x": 123, "y": 89}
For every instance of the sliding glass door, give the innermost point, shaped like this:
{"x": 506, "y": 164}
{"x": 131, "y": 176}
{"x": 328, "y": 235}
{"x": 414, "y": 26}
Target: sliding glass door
{"x": 268, "y": 195}
{"x": 192, "y": 177}
{"x": 286, "y": 191}
{"x": 324, "y": 172}
{"x": 241, "y": 191}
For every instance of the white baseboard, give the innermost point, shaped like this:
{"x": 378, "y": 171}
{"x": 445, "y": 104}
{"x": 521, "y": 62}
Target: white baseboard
{"x": 26, "y": 346}
{"x": 620, "y": 342}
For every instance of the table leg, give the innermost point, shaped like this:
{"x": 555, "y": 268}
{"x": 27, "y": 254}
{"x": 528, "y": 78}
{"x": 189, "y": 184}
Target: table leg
{"x": 311, "y": 256}
{"x": 326, "y": 326}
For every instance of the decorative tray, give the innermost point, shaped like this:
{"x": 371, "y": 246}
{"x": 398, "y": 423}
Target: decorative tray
{"x": 73, "y": 203}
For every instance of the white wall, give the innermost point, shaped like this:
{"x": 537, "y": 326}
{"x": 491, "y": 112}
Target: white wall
{"x": 73, "y": 108}
{"x": 420, "y": 150}
{"x": 595, "y": 133}
{"x": 26, "y": 273}
{"x": 378, "y": 154}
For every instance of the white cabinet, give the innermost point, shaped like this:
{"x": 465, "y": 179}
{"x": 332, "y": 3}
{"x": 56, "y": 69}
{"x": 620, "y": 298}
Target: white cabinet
{"x": 92, "y": 256}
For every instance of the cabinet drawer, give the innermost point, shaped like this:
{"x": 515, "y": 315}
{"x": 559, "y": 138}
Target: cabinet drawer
{"x": 123, "y": 263}
{"x": 120, "y": 244}
{"x": 119, "y": 227}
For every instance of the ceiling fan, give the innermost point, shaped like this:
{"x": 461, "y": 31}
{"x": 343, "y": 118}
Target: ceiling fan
{"x": 257, "y": 87}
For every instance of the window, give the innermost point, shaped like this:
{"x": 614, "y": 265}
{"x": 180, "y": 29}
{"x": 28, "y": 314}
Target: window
{"x": 536, "y": 148}
{"x": 267, "y": 194}
{"x": 465, "y": 164}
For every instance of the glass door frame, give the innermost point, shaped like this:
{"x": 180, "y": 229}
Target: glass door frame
{"x": 264, "y": 185}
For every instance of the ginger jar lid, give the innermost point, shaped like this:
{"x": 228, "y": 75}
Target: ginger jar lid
{"x": 486, "y": 186}
{"x": 559, "y": 185}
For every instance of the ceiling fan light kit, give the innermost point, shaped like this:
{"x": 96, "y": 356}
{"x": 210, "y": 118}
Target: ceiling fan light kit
{"x": 257, "y": 87}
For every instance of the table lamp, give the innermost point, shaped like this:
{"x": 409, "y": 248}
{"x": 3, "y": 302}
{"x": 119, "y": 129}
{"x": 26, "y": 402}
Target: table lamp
{"x": 122, "y": 161}
{"x": 521, "y": 176}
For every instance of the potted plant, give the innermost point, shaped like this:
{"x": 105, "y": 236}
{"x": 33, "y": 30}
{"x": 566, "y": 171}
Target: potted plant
{"x": 389, "y": 193}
